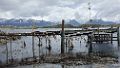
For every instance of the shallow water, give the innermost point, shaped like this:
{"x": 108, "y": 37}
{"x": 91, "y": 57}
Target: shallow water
{"x": 66, "y": 66}
{"x": 79, "y": 43}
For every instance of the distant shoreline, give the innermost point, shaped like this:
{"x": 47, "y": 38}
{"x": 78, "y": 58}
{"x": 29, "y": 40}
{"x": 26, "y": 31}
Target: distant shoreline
{"x": 65, "y": 26}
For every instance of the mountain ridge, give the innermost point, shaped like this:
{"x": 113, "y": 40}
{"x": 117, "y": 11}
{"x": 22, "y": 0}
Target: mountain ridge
{"x": 43, "y": 23}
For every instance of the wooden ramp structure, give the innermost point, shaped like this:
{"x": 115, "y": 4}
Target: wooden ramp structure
{"x": 101, "y": 37}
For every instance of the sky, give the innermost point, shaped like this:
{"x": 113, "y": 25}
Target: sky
{"x": 55, "y": 10}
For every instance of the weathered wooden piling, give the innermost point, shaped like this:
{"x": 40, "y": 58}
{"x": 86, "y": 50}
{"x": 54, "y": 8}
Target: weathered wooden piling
{"x": 62, "y": 38}
{"x": 111, "y": 35}
{"x": 33, "y": 34}
{"x": 111, "y": 38}
{"x": 90, "y": 42}
{"x": 6, "y": 54}
{"x": 118, "y": 35}
{"x": 39, "y": 44}
{"x": 11, "y": 54}
{"x": 98, "y": 29}
{"x": 66, "y": 43}
{"x": 49, "y": 43}
{"x": 49, "y": 46}
{"x": 33, "y": 46}
{"x": 46, "y": 40}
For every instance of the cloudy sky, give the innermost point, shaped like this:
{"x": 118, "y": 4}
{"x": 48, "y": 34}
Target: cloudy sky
{"x": 55, "y": 10}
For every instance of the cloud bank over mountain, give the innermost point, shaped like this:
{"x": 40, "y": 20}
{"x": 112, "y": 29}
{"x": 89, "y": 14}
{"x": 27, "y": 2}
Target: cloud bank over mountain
{"x": 55, "y": 10}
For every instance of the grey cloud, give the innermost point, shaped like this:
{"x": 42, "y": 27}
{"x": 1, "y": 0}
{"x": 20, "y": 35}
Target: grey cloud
{"x": 28, "y": 8}
{"x": 107, "y": 8}
{"x": 7, "y": 5}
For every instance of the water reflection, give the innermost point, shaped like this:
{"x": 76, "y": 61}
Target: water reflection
{"x": 50, "y": 45}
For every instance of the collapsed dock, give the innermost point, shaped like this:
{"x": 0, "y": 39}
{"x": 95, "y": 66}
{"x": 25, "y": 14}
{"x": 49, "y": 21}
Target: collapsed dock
{"x": 95, "y": 35}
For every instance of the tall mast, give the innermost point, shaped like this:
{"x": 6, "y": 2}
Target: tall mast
{"x": 89, "y": 8}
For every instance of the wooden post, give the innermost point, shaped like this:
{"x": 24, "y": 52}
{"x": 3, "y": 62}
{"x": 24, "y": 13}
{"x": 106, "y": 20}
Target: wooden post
{"x": 88, "y": 41}
{"x": 33, "y": 26}
{"x": 6, "y": 54}
{"x": 39, "y": 44}
{"x": 98, "y": 30}
{"x": 98, "y": 35}
{"x": 62, "y": 38}
{"x": 90, "y": 44}
{"x": 118, "y": 36}
{"x": 11, "y": 49}
{"x": 49, "y": 46}
{"x": 46, "y": 40}
{"x": 111, "y": 35}
{"x": 33, "y": 45}
{"x": 111, "y": 38}
{"x": 90, "y": 48}
{"x": 66, "y": 43}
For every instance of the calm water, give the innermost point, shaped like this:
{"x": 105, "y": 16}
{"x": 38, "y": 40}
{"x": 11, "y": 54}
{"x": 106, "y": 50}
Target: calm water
{"x": 19, "y": 51}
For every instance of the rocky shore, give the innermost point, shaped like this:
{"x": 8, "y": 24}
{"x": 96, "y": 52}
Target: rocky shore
{"x": 64, "y": 59}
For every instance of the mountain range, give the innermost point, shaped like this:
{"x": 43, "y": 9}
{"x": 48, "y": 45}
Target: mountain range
{"x": 43, "y": 23}
{"x": 99, "y": 21}
{"x": 23, "y": 22}
{"x": 73, "y": 22}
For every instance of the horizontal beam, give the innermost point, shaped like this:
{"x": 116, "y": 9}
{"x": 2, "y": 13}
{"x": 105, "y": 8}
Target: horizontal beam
{"x": 50, "y": 33}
